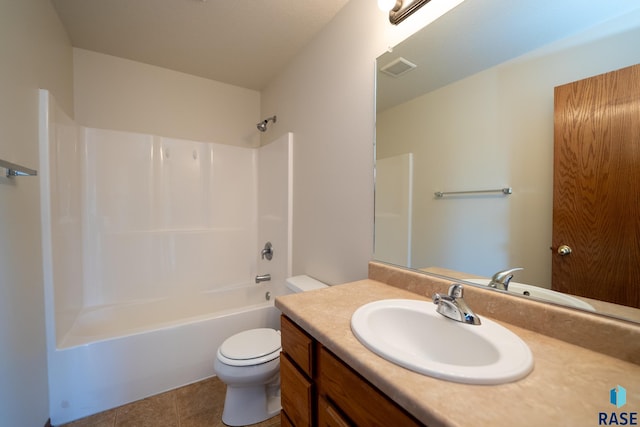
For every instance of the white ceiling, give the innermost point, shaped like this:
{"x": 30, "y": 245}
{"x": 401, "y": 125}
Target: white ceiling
{"x": 240, "y": 42}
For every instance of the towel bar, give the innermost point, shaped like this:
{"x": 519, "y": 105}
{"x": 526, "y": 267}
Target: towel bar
{"x": 17, "y": 170}
{"x": 505, "y": 191}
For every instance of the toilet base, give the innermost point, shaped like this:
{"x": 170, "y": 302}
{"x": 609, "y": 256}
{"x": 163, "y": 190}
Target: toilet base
{"x": 250, "y": 405}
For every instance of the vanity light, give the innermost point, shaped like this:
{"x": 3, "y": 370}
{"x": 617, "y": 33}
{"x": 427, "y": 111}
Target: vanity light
{"x": 400, "y": 10}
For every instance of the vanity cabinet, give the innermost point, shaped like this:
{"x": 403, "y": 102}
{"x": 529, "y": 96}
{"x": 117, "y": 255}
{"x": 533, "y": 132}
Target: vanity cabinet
{"x": 319, "y": 389}
{"x": 297, "y": 388}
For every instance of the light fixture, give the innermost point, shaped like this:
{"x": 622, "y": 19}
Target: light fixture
{"x": 399, "y": 10}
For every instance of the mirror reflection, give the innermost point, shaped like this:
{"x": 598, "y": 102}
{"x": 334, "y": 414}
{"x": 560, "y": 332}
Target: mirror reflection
{"x": 477, "y": 113}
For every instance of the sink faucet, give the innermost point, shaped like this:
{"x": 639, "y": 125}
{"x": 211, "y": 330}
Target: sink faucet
{"x": 454, "y": 306}
{"x": 501, "y": 279}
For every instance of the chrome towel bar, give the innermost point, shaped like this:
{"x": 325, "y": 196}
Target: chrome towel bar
{"x": 505, "y": 191}
{"x": 17, "y": 170}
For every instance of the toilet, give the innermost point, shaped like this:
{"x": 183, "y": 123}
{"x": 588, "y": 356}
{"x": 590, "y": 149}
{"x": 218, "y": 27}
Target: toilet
{"x": 249, "y": 364}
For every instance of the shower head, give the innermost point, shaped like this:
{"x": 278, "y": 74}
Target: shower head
{"x": 262, "y": 126}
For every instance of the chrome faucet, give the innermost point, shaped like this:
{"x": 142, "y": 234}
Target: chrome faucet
{"x": 263, "y": 278}
{"x": 267, "y": 252}
{"x": 501, "y": 279}
{"x": 454, "y": 306}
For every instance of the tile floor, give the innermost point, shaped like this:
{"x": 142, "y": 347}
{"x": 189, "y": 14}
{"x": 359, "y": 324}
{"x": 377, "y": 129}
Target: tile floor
{"x": 196, "y": 405}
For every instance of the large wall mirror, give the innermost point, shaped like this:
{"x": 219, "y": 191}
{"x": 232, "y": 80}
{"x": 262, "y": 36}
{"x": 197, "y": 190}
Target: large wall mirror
{"x": 467, "y": 104}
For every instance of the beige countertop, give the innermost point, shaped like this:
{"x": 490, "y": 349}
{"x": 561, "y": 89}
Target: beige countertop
{"x": 569, "y": 385}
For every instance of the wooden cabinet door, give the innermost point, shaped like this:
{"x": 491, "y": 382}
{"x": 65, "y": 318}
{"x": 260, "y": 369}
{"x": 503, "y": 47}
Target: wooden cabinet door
{"x": 298, "y": 345}
{"x": 330, "y": 416}
{"x": 296, "y": 394}
{"x": 596, "y": 196}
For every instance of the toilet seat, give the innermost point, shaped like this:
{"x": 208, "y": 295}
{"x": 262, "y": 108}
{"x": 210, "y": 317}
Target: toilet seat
{"x": 252, "y": 347}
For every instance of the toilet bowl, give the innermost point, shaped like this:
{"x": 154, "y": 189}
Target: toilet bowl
{"x": 249, "y": 364}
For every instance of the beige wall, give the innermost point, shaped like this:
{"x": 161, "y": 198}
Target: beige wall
{"x": 120, "y": 94}
{"x": 326, "y": 98}
{"x": 34, "y": 53}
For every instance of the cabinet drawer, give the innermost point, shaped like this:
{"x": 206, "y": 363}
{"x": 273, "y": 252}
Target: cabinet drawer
{"x": 296, "y": 393}
{"x": 297, "y": 344}
{"x": 330, "y": 416}
{"x": 365, "y": 405}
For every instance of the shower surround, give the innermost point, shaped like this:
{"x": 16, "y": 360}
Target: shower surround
{"x": 150, "y": 248}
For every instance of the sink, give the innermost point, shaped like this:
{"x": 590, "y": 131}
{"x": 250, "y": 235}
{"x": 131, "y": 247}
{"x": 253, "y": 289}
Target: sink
{"x": 540, "y": 293}
{"x": 410, "y": 333}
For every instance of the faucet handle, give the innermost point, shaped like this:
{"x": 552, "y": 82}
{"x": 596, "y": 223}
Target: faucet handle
{"x": 456, "y": 290}
{"x": 267, "y": 252}
{"x": 437, "y": 298}
{"x": 500, "y": 275}
{"x": 501, "y": 279}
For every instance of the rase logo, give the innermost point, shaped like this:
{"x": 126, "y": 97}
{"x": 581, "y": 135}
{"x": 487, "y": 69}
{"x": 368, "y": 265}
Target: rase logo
{"x": 618, "y": 398}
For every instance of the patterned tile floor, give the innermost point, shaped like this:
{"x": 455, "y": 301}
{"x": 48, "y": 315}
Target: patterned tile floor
{"x": 195, "y": 405}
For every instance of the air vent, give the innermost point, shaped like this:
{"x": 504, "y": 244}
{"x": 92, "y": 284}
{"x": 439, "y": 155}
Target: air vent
{"x": 398, "y": 67}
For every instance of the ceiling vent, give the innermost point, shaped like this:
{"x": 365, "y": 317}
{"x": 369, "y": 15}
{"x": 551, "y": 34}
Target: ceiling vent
{"x": 398, "y": 67}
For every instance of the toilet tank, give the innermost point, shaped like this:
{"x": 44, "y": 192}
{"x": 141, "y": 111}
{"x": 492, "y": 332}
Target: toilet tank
{"x": 304, "y": 283}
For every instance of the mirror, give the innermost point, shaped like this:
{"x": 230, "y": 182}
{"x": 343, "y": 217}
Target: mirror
{"x": 476, "y": 113}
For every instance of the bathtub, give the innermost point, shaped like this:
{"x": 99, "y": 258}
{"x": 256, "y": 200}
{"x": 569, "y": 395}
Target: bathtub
{"x": 116, "y": 354}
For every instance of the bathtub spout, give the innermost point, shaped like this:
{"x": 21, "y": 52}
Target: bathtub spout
{"x": 263, "y": 278}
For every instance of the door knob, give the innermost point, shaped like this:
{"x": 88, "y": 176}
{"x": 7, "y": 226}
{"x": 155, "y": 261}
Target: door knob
{"x": 564, "y": 250}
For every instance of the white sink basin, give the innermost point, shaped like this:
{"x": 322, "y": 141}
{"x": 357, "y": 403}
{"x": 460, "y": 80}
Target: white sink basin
{"x": 412, "y": 334}
{"x": 540, "y": 293}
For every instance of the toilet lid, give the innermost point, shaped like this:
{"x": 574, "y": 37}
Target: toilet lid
{"x": 251, "y": 344}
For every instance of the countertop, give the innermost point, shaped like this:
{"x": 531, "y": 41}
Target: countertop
{"x": 569, "y": 385}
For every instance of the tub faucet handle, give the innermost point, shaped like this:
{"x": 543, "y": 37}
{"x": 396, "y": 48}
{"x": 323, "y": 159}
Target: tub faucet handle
{"x": 267, "y": 252}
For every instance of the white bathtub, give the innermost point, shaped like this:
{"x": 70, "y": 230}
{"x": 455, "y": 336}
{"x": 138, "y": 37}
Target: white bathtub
{"x": 133, "y": 317}
{"x": 120, "y": 353}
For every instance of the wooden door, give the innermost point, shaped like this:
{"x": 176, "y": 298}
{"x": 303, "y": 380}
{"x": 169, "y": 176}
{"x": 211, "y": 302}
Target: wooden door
{"x": 596, "y": 196}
